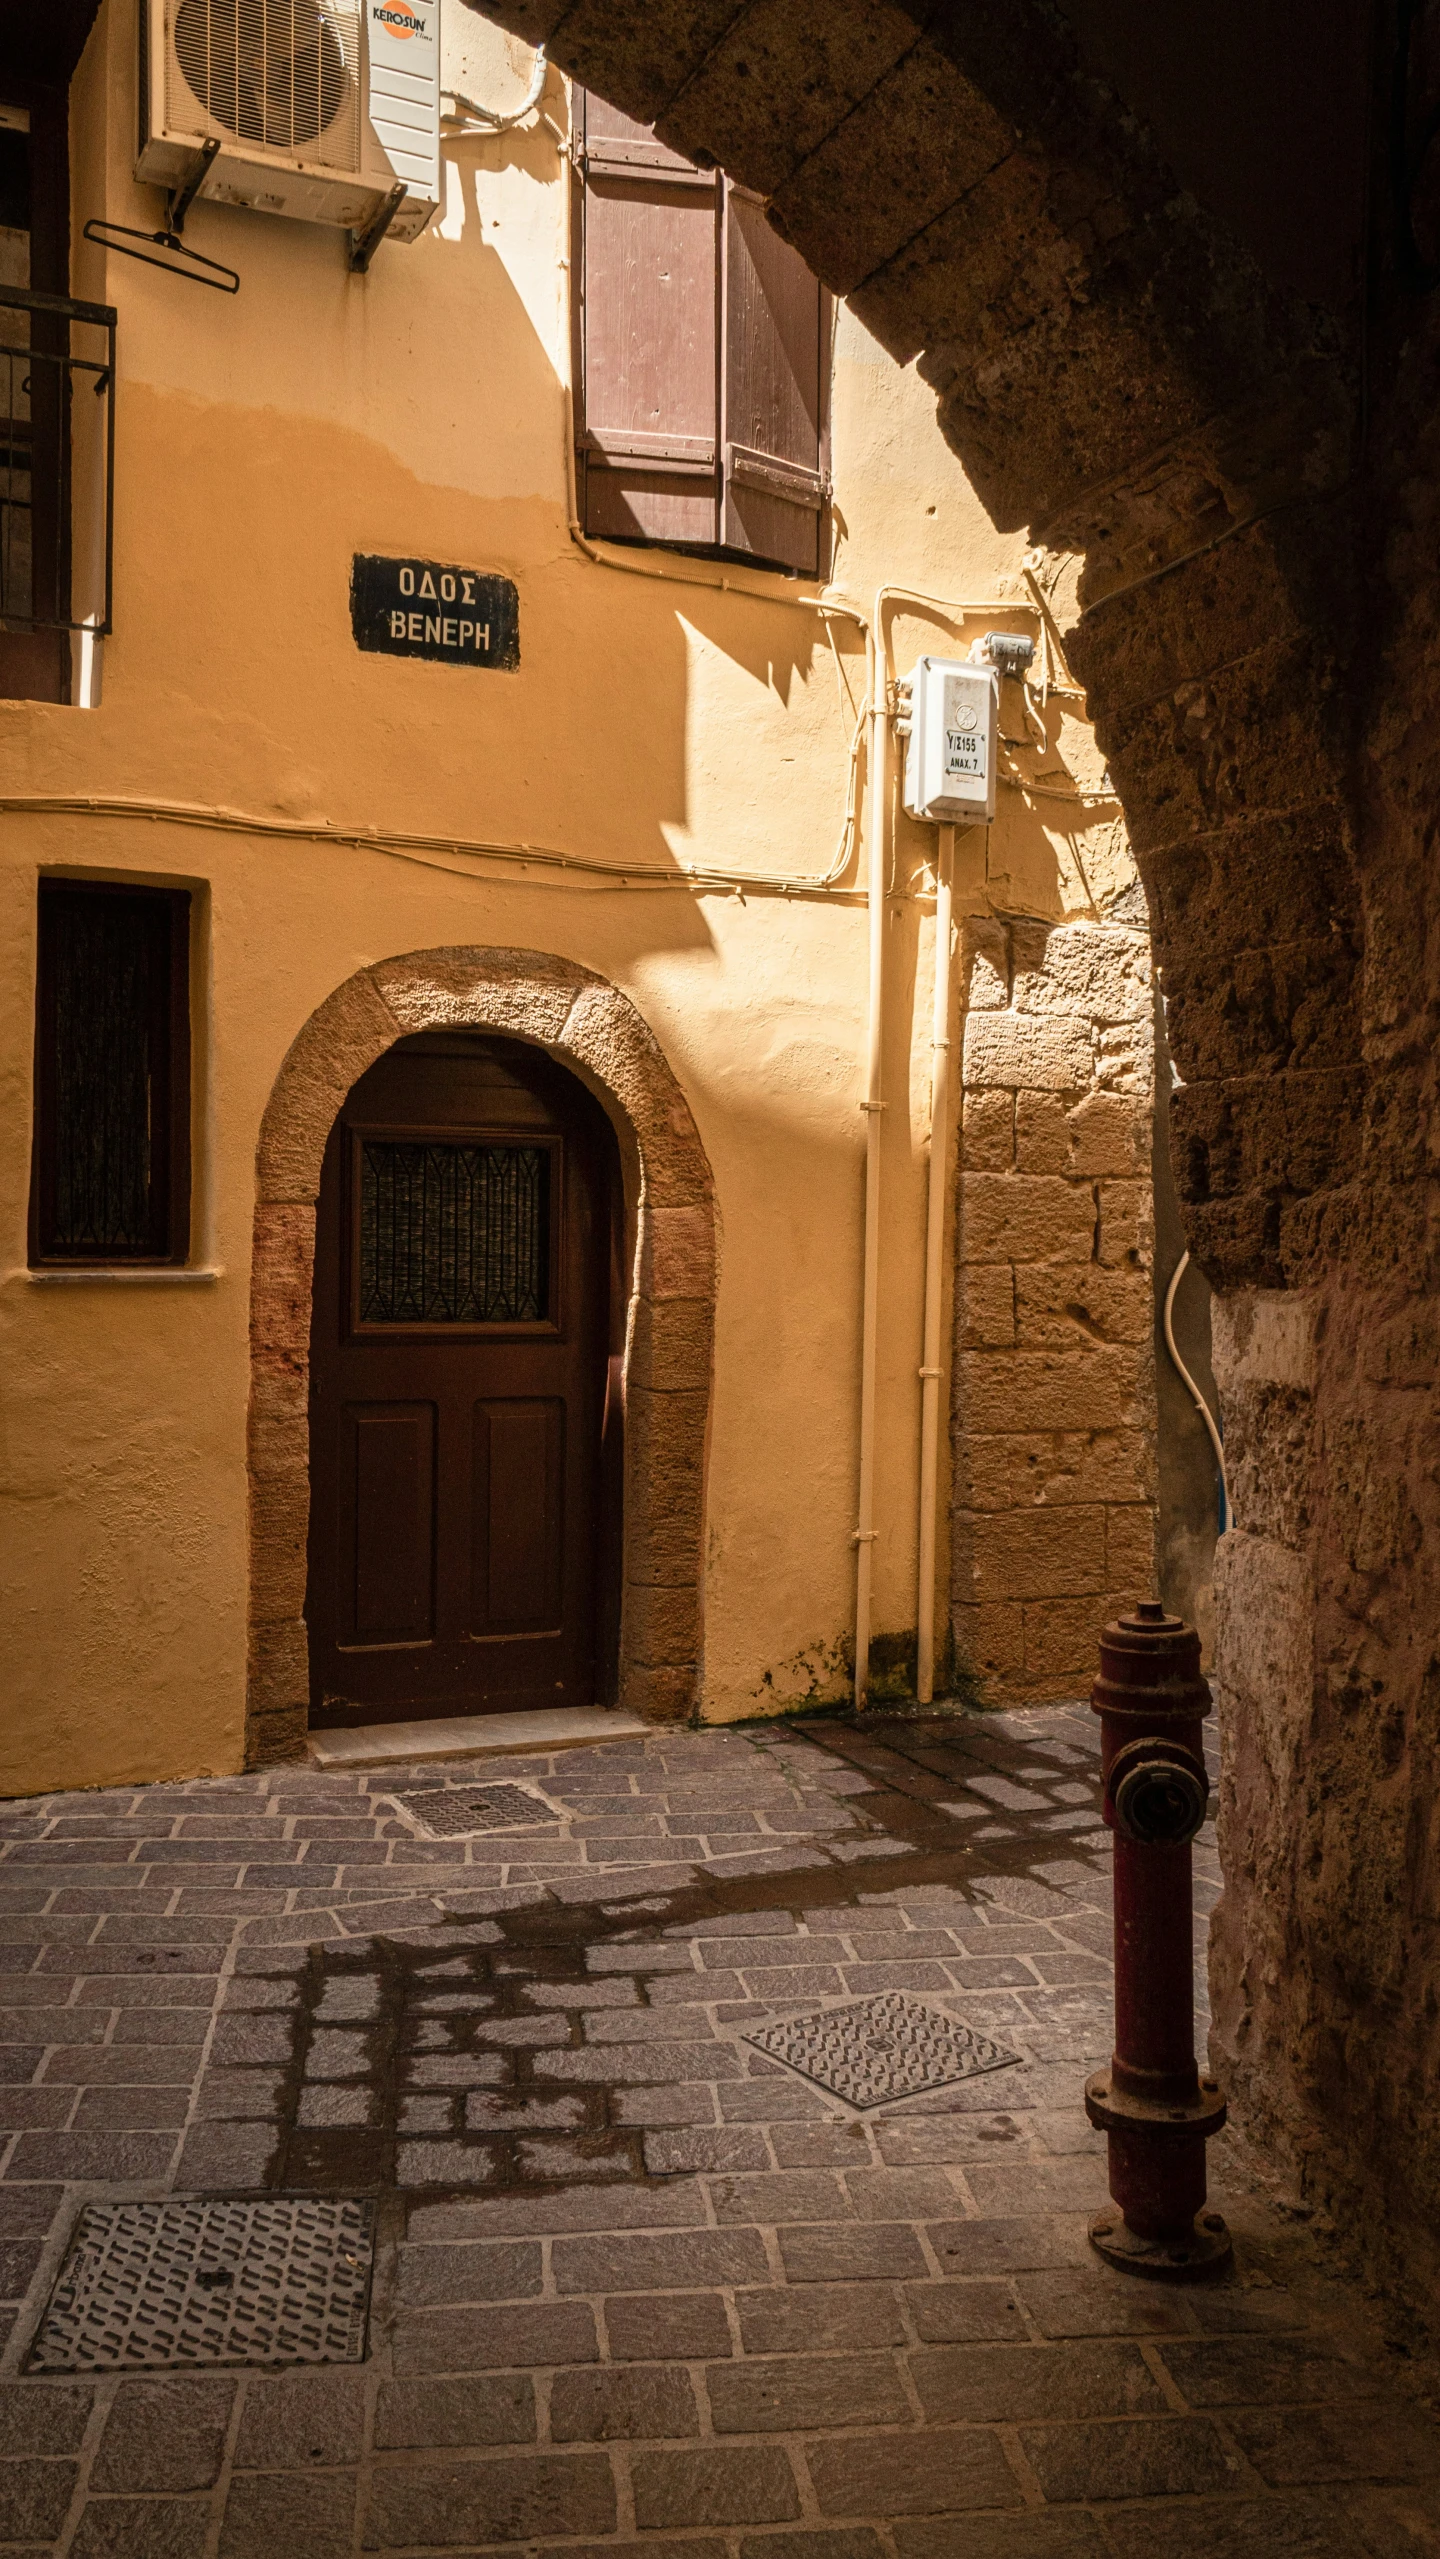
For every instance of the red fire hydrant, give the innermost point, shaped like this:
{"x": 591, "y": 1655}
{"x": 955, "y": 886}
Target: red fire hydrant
{"x": 1152, "y": 2101}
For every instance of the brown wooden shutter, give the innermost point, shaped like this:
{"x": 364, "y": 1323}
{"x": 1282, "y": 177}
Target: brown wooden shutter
{"x": 777, "y": 351}
{"x": 648, "y": 365}
{"x": 702, "y": 358}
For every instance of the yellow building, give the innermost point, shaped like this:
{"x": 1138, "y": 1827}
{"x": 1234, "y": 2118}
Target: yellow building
{"x": 580, "y": 1352}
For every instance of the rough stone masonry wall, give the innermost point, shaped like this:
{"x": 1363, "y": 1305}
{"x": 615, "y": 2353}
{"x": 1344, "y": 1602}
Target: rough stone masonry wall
{"x": 1054, "y": 1405}
{"x": 1250, "y": 482}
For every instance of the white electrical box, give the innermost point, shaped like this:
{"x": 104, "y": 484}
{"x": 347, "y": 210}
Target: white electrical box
{"x": 951, "y": 708}
{"x": 315, "y": 108}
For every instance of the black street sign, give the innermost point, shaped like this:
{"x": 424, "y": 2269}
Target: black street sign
{"x": 429, "y": 609}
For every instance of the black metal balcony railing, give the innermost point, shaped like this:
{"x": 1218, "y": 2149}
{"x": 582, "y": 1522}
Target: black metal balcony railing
{"x": 57, "y": 463}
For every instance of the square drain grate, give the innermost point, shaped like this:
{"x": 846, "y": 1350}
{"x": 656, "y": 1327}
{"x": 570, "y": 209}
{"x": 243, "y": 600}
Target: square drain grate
{"x": 269, "y": 2281}
{"x": 447, "y": 1812}
{"x": 886, "y": 2047}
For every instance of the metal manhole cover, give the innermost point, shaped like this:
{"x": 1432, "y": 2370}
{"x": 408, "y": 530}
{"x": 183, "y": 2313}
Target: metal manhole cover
{"x": 886, "y": 2047}
{"x": 269, "y": 2281}
{"x": 447, "y": 1813}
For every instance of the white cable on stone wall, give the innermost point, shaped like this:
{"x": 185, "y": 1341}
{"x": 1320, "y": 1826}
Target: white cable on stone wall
{"x": 1201, "y": 1407}
{"x": 470, "y": 117}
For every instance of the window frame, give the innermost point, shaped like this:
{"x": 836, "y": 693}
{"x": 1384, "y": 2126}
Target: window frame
{"x": 36, "y": 663}
{"x": 170, "y": 1066}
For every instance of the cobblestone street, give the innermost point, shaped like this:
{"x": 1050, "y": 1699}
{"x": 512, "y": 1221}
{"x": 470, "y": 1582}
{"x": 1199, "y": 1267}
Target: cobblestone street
{"x": 639, "y": 2284}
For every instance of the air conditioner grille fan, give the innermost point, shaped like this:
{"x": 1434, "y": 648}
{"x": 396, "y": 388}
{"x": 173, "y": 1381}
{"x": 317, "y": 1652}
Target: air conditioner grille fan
{"x": 282, "y": 73}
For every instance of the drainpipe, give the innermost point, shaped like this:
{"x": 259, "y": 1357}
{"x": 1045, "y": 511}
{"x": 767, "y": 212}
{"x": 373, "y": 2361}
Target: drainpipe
{"x": 872, "y": 1106}
{"x": 934, "y": 1271}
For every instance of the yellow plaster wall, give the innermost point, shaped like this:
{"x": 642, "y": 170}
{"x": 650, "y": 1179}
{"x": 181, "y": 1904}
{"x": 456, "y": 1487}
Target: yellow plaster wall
{"x": 420, "y": 410}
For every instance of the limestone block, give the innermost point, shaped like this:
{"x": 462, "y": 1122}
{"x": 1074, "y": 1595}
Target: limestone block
{"x": 990, "y": 1641}
{"x": 279, "y": 1406}
{"x": 1100, "y": 970}
{"x": 1126, "y": 1225}
{"x": 666, "y": 1531}
{"x": 664, "y": 1448}
{"x": 1404, "y": 1349}
{"x": 984, "y": 970}
{"x": 1298, "y": 884}
{"x": 1125, "y": 1058}
{"x": 1249, "y": 1012}
{"x": 525, "y": 992}
{"x": 1034, "y": 1554}
{"x": 276, "y": 1445}
{"x": 985, "y": 1305}
{"x": 1042, "y": 1133}
{"x": 1091, "y": 1390}
{"x": 769, "y": 94}
{"x": 1265, "y": 1652}
{"x": 923, "y": 137}
{"x": 664, "y": 1693}
{"x": 1009, "y": 1217}
{"x": 1247, "y": 740}
{"x": 1130, "y": 1550}
{"x": 279, "y": 1529}
{"x": 281, "y": 1278}
{"x": 1062, "y": 1636}
{"x": 279, "y": 1667}
{"x": 677, "y": 1253}
{"x": 276, "y": 1737}
{"x": 1040, "y": 1052}
{"x": 661, "y": 1625}
{"x": 1009, "y": 1470}
{"x": 351, "y": 1029}
{"x": 1264, "y": 1337}
{"x": 988, "y": 1144}
{"x": 1110, "y": 1135}
{"x": 672, "y": 1344}
{"x": 604, "y": 1033}
{"x": 1064, "y": 1304}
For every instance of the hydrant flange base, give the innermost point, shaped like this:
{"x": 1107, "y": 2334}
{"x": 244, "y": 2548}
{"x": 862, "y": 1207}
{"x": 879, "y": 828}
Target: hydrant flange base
{"x": 1203, "y": 2251}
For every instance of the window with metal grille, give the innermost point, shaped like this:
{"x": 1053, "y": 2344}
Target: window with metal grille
{"x": 702, "y": 358}
{"x": 453, "y": 1233}
{"x": 111, "y": 1177}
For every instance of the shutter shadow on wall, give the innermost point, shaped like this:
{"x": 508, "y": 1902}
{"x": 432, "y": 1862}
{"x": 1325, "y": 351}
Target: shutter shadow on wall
{"x": 702, "y": 358}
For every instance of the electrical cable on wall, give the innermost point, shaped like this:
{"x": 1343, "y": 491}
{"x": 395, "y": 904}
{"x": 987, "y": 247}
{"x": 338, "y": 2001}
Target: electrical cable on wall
{"x": 1201, "y": 1407}
{"x": 466, "y": 115}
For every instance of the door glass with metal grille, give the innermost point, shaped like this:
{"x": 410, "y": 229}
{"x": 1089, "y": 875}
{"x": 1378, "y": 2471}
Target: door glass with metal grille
{"x": 450, "y": 1231}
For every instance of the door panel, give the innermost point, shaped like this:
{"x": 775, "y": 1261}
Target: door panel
{"x": 460, "y": 1432}
{"x": 389, "y": 1589}
{"x": 519, "y": 1516}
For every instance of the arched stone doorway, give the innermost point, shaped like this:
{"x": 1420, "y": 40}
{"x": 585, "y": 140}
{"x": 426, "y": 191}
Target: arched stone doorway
{"x": 594, "y": 1030}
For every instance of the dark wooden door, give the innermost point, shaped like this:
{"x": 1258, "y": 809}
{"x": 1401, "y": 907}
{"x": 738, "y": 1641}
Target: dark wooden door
{"x": 462, "y": 1544}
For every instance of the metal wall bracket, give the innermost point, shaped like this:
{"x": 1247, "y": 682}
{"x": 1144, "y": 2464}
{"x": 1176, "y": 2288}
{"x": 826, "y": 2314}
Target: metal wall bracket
{"x": 182, "y": 197}
{"x": 363, "y": 244}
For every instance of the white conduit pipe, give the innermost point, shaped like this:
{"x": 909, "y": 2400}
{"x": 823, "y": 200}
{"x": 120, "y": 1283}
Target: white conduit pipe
{"x": 872, "y": 1106}
{"x": 1201, "y": 1407}
{"x": 934, "y": 1270}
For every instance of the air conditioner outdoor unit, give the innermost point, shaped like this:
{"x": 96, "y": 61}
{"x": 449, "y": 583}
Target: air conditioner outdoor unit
{"x": 321, "y": 109}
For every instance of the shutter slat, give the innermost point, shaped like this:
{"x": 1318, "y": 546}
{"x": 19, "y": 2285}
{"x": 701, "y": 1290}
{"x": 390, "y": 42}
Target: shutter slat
{"x": 776, "y": 380}
{"x": 647, "y": 410}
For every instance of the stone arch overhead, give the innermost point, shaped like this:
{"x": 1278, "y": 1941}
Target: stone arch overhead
{"x": 1114, "y": 371}
{"x": 589, "y": 1026}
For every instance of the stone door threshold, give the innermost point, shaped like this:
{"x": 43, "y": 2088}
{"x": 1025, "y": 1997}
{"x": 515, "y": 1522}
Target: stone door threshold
{"x": 473, "y": 1736}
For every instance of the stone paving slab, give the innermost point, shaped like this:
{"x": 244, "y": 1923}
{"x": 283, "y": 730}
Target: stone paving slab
{"x": 641, "y": 2288}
